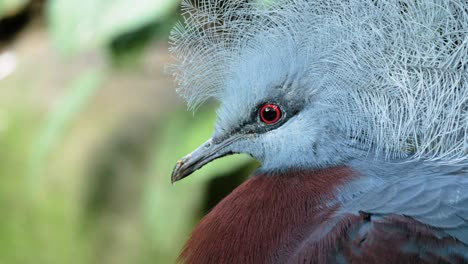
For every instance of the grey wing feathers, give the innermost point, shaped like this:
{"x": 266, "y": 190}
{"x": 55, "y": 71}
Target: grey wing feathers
{"x": 439, "y": 201}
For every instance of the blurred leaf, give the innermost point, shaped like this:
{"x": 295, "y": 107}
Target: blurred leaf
{"x": 11, "y": 7}
{"x": 81, "y": 91}
{"x": 30, "y": 231}
{"x": 77, "y": 26}
{"x": 128, "y": 48}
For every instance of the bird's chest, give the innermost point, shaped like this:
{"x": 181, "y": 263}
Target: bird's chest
{"x": 265, "y": 220}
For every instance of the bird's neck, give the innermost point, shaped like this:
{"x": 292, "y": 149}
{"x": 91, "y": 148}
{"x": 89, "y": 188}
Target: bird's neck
{"x": 265, "y": 217}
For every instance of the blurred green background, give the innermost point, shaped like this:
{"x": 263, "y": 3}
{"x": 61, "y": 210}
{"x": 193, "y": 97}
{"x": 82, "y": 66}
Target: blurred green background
{"x": 90, "y": 129}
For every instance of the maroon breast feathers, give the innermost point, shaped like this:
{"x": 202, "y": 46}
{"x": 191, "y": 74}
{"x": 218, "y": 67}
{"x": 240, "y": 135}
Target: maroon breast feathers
{"x": 266, "y": 219}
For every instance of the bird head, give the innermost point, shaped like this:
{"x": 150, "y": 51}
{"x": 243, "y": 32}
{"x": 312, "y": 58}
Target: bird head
{"x": 310, "y": 84}
{"x": 266, "y": 107}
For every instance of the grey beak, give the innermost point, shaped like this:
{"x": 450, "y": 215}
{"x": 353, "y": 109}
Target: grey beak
{"x": 204, "y": 154}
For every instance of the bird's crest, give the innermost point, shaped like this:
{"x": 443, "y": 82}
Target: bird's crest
{"x": 395, "y": 71}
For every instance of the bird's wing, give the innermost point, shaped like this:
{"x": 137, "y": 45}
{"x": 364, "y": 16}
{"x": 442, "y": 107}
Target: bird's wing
{"x": 440, "y": 202}
{"x": 368, "y": 238}
{"x": 413, "y": 220}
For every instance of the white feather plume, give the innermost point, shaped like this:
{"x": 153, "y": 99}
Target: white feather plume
{"x": 396, "y": 70}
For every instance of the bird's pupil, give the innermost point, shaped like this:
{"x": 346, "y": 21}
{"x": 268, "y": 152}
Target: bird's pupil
{"x": 269, "y": 113}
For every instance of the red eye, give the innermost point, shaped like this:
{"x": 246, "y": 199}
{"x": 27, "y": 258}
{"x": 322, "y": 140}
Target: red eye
{"x": 270, "y": 114}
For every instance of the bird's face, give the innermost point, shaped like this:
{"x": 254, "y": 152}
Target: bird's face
{"x": 280, "y": 127}
{"x": 273, "y": 113}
